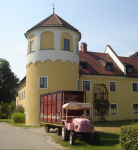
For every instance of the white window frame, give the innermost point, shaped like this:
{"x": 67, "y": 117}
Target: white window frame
{"x": 133, "y": 109}
{"x": 115, "y": 86}
{"x": 31, "y": 48}
{"x": 39, "y": 82}
{"x": 132, "y": 86}
{"x": 90, "y": 85}
{"x": 110, "y": 109}
{"x": 78, "y": 84}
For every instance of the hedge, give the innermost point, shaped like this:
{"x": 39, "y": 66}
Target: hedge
{"x": 18, "y": 117}
{"x": 129, "y": 137}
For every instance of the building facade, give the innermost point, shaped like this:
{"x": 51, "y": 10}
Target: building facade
{"x": 55, "y": 63}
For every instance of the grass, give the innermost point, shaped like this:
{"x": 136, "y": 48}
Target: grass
{"x": 109, "y": 137}
{"x": 11, "y": 122}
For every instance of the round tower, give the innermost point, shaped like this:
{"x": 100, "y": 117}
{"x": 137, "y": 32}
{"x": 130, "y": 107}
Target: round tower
{"x": 52, "y": 62}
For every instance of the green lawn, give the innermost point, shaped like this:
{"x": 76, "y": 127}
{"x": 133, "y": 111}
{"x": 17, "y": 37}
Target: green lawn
{"x": 109, "y": 137}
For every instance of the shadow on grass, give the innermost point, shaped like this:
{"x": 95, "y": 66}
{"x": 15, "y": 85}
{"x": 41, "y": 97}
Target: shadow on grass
{"x": 106, "y": 139}
{"x": 113, "y": 123}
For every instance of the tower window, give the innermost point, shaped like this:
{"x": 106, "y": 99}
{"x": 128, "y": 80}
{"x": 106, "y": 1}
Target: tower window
{"x": 31, "y": 46}
{"x": 43, "y": 82}
{"x": 66, "y": 44}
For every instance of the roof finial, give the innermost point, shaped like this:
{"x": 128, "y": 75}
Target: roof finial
{"x": 53, "y": 9}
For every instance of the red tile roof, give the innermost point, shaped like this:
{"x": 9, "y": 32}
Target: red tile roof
{"x": 131, "y": 61}
{"x": 95, "y": 67}
{"x": 54, "y": 21}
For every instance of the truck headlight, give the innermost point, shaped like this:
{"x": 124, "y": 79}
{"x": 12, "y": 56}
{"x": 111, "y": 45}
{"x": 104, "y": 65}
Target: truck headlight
{"x": 76, "y": 127}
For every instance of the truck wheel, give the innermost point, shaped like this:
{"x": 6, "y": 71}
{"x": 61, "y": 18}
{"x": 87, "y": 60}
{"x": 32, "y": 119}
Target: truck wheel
{"x": 96, "y": 138}
{"x": 71, "y": 138}
{"x": 65, "y": 133}
{"x": 47, "y": 128}
{"x": 58, "y": 131}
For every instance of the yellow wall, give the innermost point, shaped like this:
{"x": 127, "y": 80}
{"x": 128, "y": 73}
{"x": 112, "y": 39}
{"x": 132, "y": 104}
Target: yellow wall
{"x": 60, "y": 76}
{"x": 47, "y": 40}
{"x": 31, "y": 38}
{"x": 124, "y": 97}
{"x": 21, "y": 89}
{"x": 69, "y": 37}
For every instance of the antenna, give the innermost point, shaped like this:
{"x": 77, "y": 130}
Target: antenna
{"x": 53, "y": 9}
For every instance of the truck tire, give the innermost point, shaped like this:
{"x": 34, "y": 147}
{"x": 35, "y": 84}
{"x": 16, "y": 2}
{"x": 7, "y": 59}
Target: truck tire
{"x": 47, "y": 128}
{"x": 96, "y": 138}
{"x": 71, "y": 138}
{"x": 58, "y": 130}
{"x": 65, "y": 133}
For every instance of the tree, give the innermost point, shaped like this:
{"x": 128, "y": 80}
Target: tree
{"x": 8, "y": 82}
{"x": 135, "y": 55}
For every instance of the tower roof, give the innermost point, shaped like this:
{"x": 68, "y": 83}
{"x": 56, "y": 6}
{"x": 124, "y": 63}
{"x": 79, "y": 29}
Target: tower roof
{"x": 53, "y": 21}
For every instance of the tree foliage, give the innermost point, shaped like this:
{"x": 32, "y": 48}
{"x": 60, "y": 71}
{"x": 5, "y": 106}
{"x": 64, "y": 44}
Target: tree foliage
{"x": 8, "y": 82}
{"x": 135, "y": 55}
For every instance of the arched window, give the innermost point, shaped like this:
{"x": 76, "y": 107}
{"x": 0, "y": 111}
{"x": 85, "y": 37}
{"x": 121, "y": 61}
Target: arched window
{"x": 66, "y": 42}
{"x": 47, "y": 40}
{"x": 77, "y": 47}
{"x": 31, "y": 44}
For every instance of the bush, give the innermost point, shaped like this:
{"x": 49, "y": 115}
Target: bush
{"x": 18, "y": 117}
{"x": 19, "y": 108}
{"x": 129, "y": 137}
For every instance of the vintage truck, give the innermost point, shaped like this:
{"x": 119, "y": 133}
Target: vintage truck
{"x": 67, "y": 111}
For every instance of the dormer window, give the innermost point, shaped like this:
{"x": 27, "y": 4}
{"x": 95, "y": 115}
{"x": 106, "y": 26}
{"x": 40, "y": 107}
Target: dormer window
{"x": 130, "y": 70}
{"x": 129, "y": 67}
{"x": 83, "y": 65}
{"x": 109, "y": 67}
{"x": 107, "y": 64}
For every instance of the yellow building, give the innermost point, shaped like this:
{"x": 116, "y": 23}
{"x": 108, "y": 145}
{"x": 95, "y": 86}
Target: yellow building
{"x": 55, "y": 63}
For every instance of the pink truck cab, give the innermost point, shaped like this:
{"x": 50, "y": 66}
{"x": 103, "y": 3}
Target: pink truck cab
{"x": 76, "y": 125}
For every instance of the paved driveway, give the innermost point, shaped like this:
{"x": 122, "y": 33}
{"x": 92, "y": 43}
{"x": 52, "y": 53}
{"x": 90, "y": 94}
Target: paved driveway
{"x": 25, "y": 138}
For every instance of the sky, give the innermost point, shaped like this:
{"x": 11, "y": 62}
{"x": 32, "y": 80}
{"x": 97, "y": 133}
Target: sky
{"x": 101, "y": 23}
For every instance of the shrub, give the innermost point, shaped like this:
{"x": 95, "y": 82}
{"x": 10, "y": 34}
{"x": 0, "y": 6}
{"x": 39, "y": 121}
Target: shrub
{"x": 18, "y": 117}
{"x": 19, "y": 108}
{"x": 129, "y": 137}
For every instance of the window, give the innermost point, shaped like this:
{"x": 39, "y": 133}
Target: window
{"x": 78, "y": 85}
{"x": 88, "y": 112}
{"x": 24, "y": 94}
{"x": 130, "y": 70}
{"x": 113, "y": 109}
{"x": 43, "y": 83}
{"x": 31, "y": 46}
{"x": 135, "y": 87}
{"x": 76, "y": 49}
{"x": 83, "y": 65}
{"x": 66, "y": 44}
{"x": 112, "y": 86}
{"x": 109, "y": 67}
{"x": 135, "y": 108}
{"x": 86, "y": 85}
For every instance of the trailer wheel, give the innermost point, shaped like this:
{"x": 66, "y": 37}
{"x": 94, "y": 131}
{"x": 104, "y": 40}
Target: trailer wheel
{"x": 47, "y": 128}
{"x": 71, "y": 138}
{"x": 65, "y": 133}
{"x": 58, "y": 130}
{"x": 96, "y": 138}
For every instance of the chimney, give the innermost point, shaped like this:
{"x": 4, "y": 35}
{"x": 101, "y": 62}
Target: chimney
{"x": 83, "y": 47}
